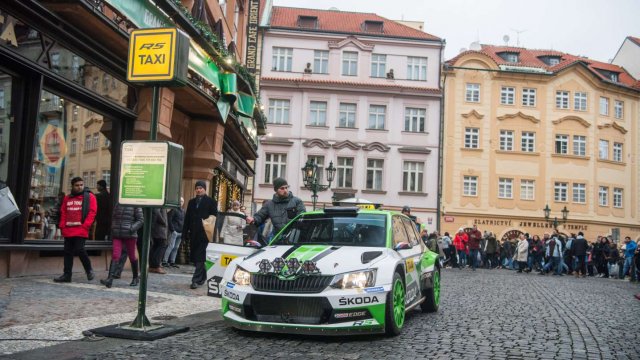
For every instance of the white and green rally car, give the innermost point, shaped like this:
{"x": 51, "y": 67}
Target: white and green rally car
{"x": 335, "y": 271}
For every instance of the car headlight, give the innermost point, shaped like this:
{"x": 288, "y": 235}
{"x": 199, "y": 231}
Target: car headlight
{"x": 354, "y": 280}
{"x": 241, "y": 276}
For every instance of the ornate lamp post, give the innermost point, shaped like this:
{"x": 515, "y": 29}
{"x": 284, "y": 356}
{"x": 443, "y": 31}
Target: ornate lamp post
{"x": 554, "y": 221}
{"x": 311, "y": 182}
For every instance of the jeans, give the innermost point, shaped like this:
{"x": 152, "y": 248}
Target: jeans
{"x": 462, "y": 257}
{"x": 75, "y": 246}
{"x": 172, "y": 250}
{"x": 473, "y": 254}
{"x": 507, "y": 262}
{"x": 627, "y": 266}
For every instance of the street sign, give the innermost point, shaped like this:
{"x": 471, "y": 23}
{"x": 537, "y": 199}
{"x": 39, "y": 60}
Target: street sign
{"x": 158, "y": 56}
{"x": 449, "y": 219}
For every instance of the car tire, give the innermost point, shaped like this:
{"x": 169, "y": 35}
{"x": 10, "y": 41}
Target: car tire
{"x": 395, "y": 306}
{"x": 431, "y": 301}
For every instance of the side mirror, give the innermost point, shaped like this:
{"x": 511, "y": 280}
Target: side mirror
{"x": 252, "y": 244}
{"x": 402, "y": 246}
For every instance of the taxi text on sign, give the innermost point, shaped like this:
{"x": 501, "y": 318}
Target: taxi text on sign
{"x": 158, "y": 56}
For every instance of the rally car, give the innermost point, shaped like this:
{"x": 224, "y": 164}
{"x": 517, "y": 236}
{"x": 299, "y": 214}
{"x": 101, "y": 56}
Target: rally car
{"x": 341, "y": 270}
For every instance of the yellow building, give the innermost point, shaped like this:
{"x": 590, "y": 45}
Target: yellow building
{"x": 528, "y": 128}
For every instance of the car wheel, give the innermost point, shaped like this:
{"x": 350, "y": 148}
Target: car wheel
{"x": 431, "y": 301}
{"x": 394, "y": 317}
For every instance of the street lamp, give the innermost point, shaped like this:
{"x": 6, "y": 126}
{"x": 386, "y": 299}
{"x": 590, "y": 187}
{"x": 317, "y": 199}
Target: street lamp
{"x": 554, "y": 222}
{"x": 311, "y": 182}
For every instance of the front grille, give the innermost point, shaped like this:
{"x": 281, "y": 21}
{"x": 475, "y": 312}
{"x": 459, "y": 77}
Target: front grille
{"x": 288, "y": 309}
{"x": 305, "y": 284}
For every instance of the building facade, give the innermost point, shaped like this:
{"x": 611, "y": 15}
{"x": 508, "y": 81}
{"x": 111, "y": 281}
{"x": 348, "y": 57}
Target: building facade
{"x": 628, "y": 55}
{"x": 529, "y": 128}
{"x": 355, "y": 90}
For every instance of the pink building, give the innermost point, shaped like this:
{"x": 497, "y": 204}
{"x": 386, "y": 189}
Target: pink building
{"x": 357, "y": 90}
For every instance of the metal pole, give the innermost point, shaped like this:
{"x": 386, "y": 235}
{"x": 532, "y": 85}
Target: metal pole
{"x": 141, "y": 320}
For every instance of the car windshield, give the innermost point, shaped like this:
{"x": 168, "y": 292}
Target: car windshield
{"x": 338, "y": 230}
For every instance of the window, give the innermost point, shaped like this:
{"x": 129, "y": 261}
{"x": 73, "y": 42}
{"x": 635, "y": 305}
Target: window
{"x": 309, "y": 22}
{"x": 378, "y": 65}
{"x": 528, "y": 141}
{"x": 603, "y": 150}
{"x": 506, "y": 140}
{"x": 580, "y": 101}
{"x": 349, "y": 63}
{"x": 579, "y": 145}
{"x": 412, "y": 176}
{"x": 2, "y": 99}
{"x": 92, "y": 179}
{"x": 318, "y": 113}
{"x": 347, "y": 116}
{"x": 505, "y": 188}
{"x": 106, "y": 176}
{"x": 562, "y": 99}
{"x": 275, "y": 165}
{"x": 321, "y": 62}
{"x": 282, "y": 59}
{"x": 617, "y": 197}
{"x": 560, "y": 192}
{"x": 374, "y": 174}
{"x": 96, "y": 141}
{"x": 278, "y": 111}
{"x": 55, "y": 62}
{"x": 604, "y": 106}
{"x": 528, "y": 97}
{"x": 74, "y": 117}
{"x": 473, "y": 93}
{"x": 579, "y": 193}
{"x": 74, "y": 147}
{"x": 75, "y": 68}
{"x": 377, "y": 114}
{"x": 345, "y": 172}
{"x": 416, "y": 68}
{"x": 471, "y": 138}
{"x": 470, "y": 186}
{"x": 562, "y": 144}
{"x": 527, "y": 189}
{"x": 617, "y": 151}
{"x": 88, "y": 143}
{"x": 509, "y": 57}
{"x": 414, "y": 119}
{"x": 507, "y": 95}
{"x": 319, "y": 161}
{"x": 619, "y": 109}
{"x": 603, "y": 196}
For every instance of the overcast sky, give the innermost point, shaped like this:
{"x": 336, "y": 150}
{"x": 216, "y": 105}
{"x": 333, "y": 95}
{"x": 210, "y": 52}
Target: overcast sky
{"x": 593, "y": 28}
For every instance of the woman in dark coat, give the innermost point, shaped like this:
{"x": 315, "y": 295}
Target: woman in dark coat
{"x": 199, "y": 208}
{"x": 125, "y": 223}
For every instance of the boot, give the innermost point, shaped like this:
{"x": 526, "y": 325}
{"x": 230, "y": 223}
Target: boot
{"x": 112, "y": 269}
{"x": 63, "y": 278}
{"x": 134, "y": 269}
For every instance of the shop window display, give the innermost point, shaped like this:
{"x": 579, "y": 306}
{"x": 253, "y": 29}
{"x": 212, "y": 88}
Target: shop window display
{"x": 5, "y": 133}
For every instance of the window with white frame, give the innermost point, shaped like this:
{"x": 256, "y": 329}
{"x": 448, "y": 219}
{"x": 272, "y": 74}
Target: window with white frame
{"x": 318, "y": 160}
{"x": 617, "y": 197}
{"x": 416, "y": 68}
{"x": 562, "y": 144}
{"x": 74, "y": 146}
{"x": 275, "y": 166}
{"x": 412, "y": 176}
{"x": 617, "y": 151}
{"x": 528, "y": 97}
{"x": 2, "y": 99}
{"x": 579, "y": 145}
{"x": 619, "y": 109}
{"x": 374, "y": 174}
{"x": 528, "y": 141}
{"x": 282, "y": 59}
{"x": 106, "y": 176}
{"x": 527, "y": 189}
{"x": 562, "y": 99}
{"x": 318, "y": 113}
{"x": 85, "y": 177}
{"x": 344, "y": 171}
{"x": 320, "y": 62}
{"x": 377, "y": 115}
{"x": 471, "y": 138}
{"x": 347, "y": 116}
{"x": 580, "y": 101}
{"x": 88, "y": 143}
{"x": 507, "y": 95}
{"x": 92, "y": 179}
{"x": 350, "y": 63}
{"x": 604, "y": 106}
{"x": 506, "y": 140}
{"x": 603, "y": 196}
{"x": 560, "y": 191}
{"x": 470, "y": 186}
{"x": 473, "y": 93}
{"x": 603, "y": 150}
{"x": 579, "y": 193}
{"x": 278, "y": 111}
{"x": 505, "y": 188}
{"x": 96, "y": 140}
{"x": 378, "y": 65}
{"x": 414, "y": 119}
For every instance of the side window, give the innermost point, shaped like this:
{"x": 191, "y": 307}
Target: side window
{"x": 399, "y": 231}
{"x": 411, "y": 230}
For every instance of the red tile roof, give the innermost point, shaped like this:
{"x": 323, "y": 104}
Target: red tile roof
{"x": 344, "y": 22}
{"x": 531, "y": 58}
{"x": 311, "y": 80}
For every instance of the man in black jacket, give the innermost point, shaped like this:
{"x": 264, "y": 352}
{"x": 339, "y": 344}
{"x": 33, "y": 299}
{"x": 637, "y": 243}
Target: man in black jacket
{"x": 198, "y": 209}
{"x": 103, "y": 217}
{"x": 579, "y": 246}
{"x": 280, "y": 209}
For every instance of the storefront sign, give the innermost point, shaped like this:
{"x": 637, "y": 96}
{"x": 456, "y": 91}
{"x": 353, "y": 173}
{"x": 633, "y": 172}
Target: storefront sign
{"x": 252, "y": 35}
{"x": 525, "y": 224}
{"x": 512, "y": 234}
{"x": 491, "y": 222}
{"x": 449, "y": 219}
{"x": 158, "y": 55}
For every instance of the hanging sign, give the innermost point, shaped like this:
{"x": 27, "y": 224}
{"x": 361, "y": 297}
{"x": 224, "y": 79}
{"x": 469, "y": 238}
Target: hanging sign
{"x": 158, "y": 56}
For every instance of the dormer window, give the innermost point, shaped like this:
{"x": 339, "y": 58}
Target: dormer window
{"x": 550, "y": 60}
{"x": 373, "y": 26}
{"x": 308, "y": 22}
{"x": 511, "y": 57}
{"x": 609, "y": 75}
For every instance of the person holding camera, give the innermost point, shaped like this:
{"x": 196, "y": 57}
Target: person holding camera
{"x": 280, "y": 209}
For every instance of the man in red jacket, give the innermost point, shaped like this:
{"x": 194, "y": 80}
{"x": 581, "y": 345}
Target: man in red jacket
{"x": 77, "y": 213}
{"x": 474, "y": 246}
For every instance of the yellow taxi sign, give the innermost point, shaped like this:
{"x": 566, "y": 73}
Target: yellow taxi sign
{"x": 158, "y": 55}
{"x": 366, "y": 206}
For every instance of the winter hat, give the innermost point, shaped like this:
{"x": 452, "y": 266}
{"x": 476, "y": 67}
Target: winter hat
{"x": 279, "y": 182}
{"x": 202, "y": 184}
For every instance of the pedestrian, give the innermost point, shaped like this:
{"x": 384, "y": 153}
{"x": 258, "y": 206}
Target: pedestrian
{"x": 406, "y": 210}
{"x": 579, "y": 247}
{"x": 175, "y": 219}
{"x": 491, "y": 251}
{"x": 283, "y": 207}
{"x": 103, "y": 217}
{"x": 522, "y": 252}
{"x": 159, "y": 240}
{"x": 54, "y": 222}
{"x": 613, "y": 256}
{"x": 198, "y": 209}
{"x": 126, "y": 221}
{"x": 233, "y": 225}
{"x": 506, "y": 253}
{"x": 629, "y": 252}
{"x": 447, "y": 244}
{"x": 77, "y": 212}
{"x": 460, "y": 244}
{"x": 474, "y": 246}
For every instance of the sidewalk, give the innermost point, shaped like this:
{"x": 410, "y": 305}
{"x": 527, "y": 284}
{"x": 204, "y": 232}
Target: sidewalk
{"x": 36, "y": 308}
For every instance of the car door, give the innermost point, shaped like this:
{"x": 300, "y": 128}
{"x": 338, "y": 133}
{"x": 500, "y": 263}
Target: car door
{"x": 410, "y": 255}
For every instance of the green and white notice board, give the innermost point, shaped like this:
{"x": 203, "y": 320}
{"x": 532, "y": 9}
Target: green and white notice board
{"x": 150, "y": 173}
